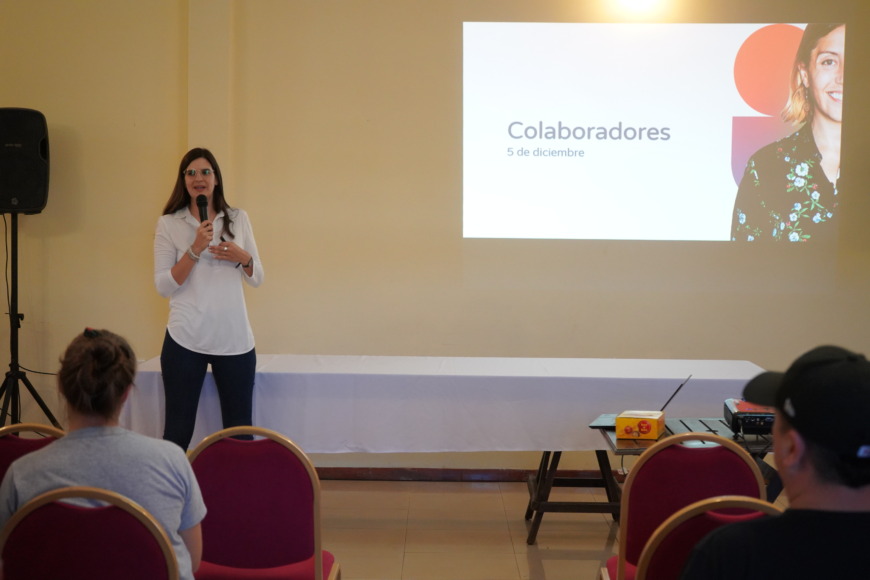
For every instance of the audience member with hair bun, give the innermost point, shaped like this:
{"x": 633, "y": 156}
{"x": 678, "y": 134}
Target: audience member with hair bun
{"x": 95, "y": 377}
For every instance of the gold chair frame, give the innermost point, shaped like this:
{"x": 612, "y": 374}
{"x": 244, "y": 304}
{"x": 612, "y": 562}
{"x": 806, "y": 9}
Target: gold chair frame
{"x": 335, "y": 573}
{"x": 648, "y": 454}
{"x": 109, "y": 497}
{"x": 722, "y": 502}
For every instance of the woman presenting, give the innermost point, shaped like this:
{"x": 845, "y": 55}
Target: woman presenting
{"x": 789, "y": 189}
{"x": 203, "y": 250}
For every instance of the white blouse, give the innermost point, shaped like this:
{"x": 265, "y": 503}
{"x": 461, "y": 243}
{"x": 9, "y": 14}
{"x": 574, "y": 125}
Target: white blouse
{"x": 207, "y": 314}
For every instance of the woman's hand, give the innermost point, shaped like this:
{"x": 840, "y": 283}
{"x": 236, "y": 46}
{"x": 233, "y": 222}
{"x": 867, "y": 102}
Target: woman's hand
{"x": 204, "y": 235}
{"x": 230, "y": 252}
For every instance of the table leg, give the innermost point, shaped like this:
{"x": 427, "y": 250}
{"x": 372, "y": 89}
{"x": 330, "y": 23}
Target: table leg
{"x": 535, "y": 485}
{"x": 540, "y": 492}
{"x": 614, "y": 493}
{"x": 771, "y": 476}
{"x": 543, "y": 481}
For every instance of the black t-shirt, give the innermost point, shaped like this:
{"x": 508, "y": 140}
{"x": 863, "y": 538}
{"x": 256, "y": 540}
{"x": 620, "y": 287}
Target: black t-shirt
{"x": 795, "y": 545}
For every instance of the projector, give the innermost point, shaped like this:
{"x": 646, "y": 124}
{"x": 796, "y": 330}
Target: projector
{"x": 747, "y": 418}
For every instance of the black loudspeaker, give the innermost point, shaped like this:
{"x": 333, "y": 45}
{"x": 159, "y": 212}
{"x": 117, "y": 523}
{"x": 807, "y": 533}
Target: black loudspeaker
{"x": 23, "y": 161}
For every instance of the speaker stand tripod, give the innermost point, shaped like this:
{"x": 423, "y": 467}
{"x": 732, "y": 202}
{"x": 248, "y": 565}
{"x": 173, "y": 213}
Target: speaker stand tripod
{"x": 10, "y": 391}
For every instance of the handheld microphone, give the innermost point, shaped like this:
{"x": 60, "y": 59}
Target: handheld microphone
{"x": 202, "y": 204}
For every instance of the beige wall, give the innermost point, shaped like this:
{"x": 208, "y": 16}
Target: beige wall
{"x": 338, "y": 127}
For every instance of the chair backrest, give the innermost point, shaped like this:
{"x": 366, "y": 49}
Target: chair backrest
{"x": 107, "y": 537}
{"x": 263, "y": 499}
{"x": 673, "y": 473}
{"x": 13, "y": 446}
{"x": 668, "y": 549}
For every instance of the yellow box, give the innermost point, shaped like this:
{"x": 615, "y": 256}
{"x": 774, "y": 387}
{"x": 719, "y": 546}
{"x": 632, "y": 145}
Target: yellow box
{"x": 640, "y": 425}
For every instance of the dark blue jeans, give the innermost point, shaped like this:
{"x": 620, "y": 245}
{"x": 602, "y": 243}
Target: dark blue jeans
{"x": 183, "y": 375}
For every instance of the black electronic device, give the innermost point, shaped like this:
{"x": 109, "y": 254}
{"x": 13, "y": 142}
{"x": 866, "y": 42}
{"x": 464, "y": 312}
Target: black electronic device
{"x": 23, "y": 189}
{"x": 748, "y": 418}
{"x": 23, "y": 161}
{"x": 202, "y": 204}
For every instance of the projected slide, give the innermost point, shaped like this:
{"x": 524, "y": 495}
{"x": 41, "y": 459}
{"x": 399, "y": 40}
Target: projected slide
{"x": 630, "y": 131}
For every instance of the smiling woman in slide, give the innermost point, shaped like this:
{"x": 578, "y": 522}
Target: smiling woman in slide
{"x": 203, "y": 250}
{"x": 789, "y": 188}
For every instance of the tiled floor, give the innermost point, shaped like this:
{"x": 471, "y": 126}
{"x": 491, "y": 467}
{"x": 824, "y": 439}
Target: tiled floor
{"x": 458, "y": 531}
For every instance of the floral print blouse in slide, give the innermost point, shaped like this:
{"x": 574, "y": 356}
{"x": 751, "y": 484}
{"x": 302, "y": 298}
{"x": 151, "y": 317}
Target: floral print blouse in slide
{"x": 784, "y": 194}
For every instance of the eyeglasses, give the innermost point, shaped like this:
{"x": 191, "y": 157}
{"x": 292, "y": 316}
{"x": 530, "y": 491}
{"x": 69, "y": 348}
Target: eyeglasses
{"x": 192, "y": 172}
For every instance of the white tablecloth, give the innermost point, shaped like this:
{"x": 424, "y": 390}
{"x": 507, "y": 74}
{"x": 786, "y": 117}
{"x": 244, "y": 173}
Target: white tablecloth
{"x": 384, "y": 404}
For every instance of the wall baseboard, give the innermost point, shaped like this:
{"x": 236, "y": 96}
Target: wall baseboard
{"x": 438, "y": 474}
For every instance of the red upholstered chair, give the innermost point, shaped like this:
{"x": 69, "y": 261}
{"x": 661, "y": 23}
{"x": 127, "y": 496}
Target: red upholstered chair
{"x": 13, "y": 445}
{"x": 50, "y": 538}
{"x": 669, "y": 547}
{"x": 263, "y": 501}
{"x": 671, "y": 474}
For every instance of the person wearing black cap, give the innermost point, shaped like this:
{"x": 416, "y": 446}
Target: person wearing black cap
{"x": 821, "y": 440}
